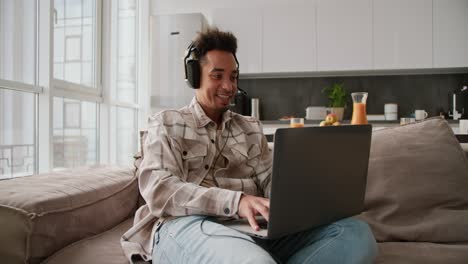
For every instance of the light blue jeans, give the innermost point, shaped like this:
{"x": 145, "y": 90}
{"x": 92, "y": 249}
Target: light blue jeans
{"x": 183, "y": 241}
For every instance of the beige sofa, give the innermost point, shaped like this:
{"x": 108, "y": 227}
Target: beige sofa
{"x": 416, "y": 204}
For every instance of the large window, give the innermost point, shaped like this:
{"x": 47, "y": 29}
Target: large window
{"x": 124, "y": 85}
{"x": 18, "y": 88}
{"x": 60, "y": 105}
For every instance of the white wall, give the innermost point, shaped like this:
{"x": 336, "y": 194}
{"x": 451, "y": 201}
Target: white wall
{"x": 160, "y": 7}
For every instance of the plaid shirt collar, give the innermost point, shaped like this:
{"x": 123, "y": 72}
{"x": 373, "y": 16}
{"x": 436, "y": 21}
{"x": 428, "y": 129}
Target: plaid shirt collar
{"x": 202, "y": 119}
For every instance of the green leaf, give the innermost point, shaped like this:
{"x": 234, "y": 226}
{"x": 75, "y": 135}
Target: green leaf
{"x": 336, "y": 95}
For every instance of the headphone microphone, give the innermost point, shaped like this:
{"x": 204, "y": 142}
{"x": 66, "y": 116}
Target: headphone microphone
{"x": 241, "y": 91}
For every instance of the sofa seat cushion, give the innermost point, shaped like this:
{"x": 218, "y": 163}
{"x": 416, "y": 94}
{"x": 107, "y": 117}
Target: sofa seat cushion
{"x": 421, "y": 253}
{"x": 417, "y": 184}
{"x": 101, "y": 248}
{"x": 43, "y": 213}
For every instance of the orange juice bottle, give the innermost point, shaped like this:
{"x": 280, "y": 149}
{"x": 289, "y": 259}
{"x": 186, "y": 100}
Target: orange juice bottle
{"x": 359, "y": 108}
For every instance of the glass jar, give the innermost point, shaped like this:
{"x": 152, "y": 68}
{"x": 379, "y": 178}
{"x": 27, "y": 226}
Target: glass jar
{"x": 359, "y": 108}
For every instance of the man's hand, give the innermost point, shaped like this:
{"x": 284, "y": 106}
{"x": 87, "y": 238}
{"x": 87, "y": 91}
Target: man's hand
{"x": 250, "y": 206}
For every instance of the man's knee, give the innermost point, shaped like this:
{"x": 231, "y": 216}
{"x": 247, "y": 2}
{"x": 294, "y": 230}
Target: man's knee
{"x": 364, "y": 246}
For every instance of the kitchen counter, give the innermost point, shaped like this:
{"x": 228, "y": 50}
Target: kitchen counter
{"x": 270, "y": 126}
{"x": 376, "y": 122}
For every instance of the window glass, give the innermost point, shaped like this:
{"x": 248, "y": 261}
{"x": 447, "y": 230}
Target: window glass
{"x": 126, "y": 55}
{"x": 124, "y": 80}
{"x": 126, "y": 135}
{"x": 75, "y": 133}
{"x": 17, "y": 133}
{"x": 18, "y": 40}
{"x": 75, "y": 41}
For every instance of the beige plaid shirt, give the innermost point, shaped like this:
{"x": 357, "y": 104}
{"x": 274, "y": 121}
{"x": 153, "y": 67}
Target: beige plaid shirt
{"x": 178, "y": 151}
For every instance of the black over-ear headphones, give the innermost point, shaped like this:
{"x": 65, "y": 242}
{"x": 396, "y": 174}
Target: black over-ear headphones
{"x": 193, "y": 68}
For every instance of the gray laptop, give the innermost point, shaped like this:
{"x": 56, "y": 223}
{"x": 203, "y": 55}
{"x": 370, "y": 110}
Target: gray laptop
{"x": 319, "y": 176}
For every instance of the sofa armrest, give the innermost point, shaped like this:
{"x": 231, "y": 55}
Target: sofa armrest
{"x": 43, "y": 213}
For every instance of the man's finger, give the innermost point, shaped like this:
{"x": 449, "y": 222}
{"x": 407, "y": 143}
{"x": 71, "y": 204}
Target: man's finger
{"x": 263, "y": 210}
{"x": 252, "y": 221}
{"x": 265, "y": 202}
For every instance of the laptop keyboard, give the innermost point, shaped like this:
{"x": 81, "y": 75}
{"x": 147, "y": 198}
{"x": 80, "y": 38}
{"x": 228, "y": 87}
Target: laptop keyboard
{"x": 263, "y": 225}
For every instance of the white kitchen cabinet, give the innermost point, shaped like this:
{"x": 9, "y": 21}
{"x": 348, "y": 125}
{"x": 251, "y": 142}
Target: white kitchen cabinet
{"x": 246, "y": 24}
{"x": 344, "y": 35}
{"x": 170, "y": 37}
{"x": 402, "y": 34}
{"x": 450, "y": 33}
{"x": 289, "y": 39}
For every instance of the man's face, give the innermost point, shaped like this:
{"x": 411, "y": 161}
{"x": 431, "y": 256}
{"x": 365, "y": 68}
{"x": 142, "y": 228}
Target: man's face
{"x": 218, "y": 84}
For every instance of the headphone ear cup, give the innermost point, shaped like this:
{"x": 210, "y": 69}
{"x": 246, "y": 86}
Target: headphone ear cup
{"x": 193, "y": 73}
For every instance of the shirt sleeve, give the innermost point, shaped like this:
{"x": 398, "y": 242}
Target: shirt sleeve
{"x": 164, "y": 190}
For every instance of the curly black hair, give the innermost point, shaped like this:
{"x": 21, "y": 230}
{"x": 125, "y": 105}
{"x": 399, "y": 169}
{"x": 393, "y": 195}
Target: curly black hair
{"x": 214, "y": 39}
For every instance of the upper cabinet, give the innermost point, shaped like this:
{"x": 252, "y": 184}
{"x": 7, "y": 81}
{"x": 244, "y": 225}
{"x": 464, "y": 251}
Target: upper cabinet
{"x": 450, "y": 33}
{"x": 246, "y": 24}
{"x": 289, "y": 39}
{"x": 402, "y": 34}
{"x": 344, "y": 35}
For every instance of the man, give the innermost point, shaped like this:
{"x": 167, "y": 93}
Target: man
{"x": 204, "y": 160}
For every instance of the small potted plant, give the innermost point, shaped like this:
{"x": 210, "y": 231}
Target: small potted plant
{"x": 337, "y": 96}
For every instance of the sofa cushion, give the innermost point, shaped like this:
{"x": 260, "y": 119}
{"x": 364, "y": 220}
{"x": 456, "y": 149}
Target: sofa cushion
{"x": 41, "y": 214}
{"x": 104, "y": 248}
{"x": 421, "y": 253}
{"x": 417, "y": 184}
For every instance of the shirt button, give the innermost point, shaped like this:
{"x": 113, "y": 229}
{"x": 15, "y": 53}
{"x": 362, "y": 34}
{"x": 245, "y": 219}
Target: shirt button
{"x": 184, "y": 153}
{"x": 212, "y": 141}
{"x": 206, "y": 167}
{"x": 227, "y": 211}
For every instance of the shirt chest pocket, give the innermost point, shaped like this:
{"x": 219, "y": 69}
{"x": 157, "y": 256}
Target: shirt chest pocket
{"x": 193, "y": 154}
{"x": 249, "y": 154}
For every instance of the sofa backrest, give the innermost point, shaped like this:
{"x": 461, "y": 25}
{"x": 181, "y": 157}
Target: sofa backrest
{"x": 417, "y": 184}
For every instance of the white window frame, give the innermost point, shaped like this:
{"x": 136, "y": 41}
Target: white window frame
{"x": 20, "y": 86}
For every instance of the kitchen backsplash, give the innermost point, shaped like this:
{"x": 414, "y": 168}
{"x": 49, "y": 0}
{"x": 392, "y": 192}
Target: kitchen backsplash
{"x": 290, "y": 96}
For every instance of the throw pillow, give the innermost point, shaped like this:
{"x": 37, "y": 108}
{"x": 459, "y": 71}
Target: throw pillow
{"x": 417, "y": 186}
